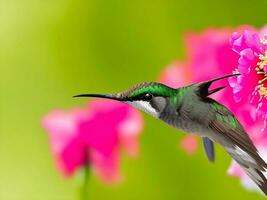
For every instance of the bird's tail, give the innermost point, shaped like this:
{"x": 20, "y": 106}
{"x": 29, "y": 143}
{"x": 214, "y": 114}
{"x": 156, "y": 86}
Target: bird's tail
{"x": 254, "y": 166}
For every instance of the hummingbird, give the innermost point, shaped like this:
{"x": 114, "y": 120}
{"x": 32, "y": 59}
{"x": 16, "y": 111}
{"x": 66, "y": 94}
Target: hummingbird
{"x": 191, "y": 109}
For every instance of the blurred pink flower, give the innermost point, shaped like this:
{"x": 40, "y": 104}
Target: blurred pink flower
{"x": 93, "y": 136}
{"x": 189, "y": 144}
{"x": 251, "y": 85}
{"x": 209, "y": 53}
{"x": 176, "y": 74}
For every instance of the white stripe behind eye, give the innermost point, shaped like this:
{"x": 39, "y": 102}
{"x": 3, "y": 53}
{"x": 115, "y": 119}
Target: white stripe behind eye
{"x": 144, "y": 106}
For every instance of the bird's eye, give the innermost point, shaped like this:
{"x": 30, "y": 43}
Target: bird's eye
{"x": 147, "y": 97}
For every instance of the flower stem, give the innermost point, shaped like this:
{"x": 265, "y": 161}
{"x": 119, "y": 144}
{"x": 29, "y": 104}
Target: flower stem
{"x": 85, "y": 184}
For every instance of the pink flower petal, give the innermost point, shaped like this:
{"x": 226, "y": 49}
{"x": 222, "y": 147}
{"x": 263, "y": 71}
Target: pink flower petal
{"x": 63, "y": 131}
{"x": 106, "y": 167}
{"x": 265, "y": 69}
{"x": 263, "y": 31}
{"x": 176, "y": 74}
{"x": 235, "y": 170}
{"x": 129, "y": 131}
{"x": 246, "y": 56}
{"x": 206, "y": 53}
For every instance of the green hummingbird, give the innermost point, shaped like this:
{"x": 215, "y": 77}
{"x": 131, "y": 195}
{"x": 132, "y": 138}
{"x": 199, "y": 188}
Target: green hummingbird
{"x": 190, "y": 109}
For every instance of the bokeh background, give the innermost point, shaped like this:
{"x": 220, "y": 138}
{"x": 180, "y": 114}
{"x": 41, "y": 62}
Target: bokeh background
{"x": 53, "y": 49}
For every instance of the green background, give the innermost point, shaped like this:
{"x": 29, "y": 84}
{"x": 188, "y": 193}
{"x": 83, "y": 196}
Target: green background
{"x": 53, "y": 49}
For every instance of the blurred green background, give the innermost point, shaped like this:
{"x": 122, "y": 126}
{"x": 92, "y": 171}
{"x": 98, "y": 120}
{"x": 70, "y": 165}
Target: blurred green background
{"x": 53, "y": 49}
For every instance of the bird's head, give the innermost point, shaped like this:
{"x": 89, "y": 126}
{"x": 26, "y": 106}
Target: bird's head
{"x": 150, "y": 97}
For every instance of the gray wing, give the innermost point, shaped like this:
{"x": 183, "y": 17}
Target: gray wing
{"x": 238, "y": 144}
{"x": 227, "y": 131}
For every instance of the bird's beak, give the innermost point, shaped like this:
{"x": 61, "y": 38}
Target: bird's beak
{"x": 103, "y": 96}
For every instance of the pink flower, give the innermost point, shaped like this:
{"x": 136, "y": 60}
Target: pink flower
{"x": 251, "y": 88}
{"x": 189, "y": 144}
{"x": 251, "y": 85}
{"x": 176, "y": 74}
{"x": 209, "y": 53}
{"x": 93, "y": 136}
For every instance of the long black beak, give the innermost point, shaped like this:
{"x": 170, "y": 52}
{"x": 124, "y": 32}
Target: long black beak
{"x": 104, "y": 96}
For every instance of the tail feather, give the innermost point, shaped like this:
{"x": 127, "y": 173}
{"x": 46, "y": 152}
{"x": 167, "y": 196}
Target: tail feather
{"x": 253, "y": 165}
{"x": 202, "y": 88}
{"x": 232, "y": 136}
{"x": 258, "y": 177}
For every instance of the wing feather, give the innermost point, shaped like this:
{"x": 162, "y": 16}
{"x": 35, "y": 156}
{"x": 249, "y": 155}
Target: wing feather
{"x": 240, "y": 146}
{"x": 225, "y": 128}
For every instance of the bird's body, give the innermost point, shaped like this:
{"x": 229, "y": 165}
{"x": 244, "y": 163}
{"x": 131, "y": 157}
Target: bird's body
{"x": 192, "y": 110}
{"x": 180, "y": 107}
